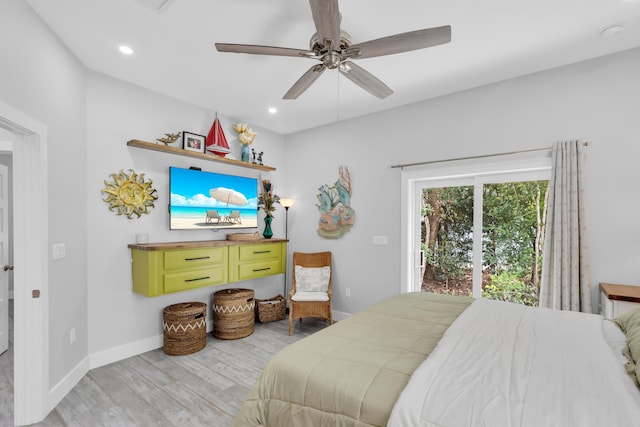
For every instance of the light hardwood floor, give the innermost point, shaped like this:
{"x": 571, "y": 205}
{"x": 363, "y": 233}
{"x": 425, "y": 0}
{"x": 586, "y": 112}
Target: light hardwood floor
{"x": 153, "y": 389}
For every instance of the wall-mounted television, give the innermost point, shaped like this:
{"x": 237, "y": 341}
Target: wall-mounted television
{"x": 209, "y": 200}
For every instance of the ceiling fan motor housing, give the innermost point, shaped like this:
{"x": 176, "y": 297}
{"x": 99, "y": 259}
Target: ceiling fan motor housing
{"x": 331, "y": 57}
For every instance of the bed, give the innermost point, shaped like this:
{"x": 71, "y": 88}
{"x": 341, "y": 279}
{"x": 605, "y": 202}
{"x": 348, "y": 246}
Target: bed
{"x": 422, "y": 359}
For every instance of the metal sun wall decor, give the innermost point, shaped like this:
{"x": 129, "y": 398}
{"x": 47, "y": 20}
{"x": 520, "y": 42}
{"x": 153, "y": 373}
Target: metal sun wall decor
{"x": 336, "y": 214}
{"x": 129, "y": 194}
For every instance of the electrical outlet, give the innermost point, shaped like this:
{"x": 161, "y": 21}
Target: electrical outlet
{"x": 347, "y": 292}
{"x": 72, "y": 335}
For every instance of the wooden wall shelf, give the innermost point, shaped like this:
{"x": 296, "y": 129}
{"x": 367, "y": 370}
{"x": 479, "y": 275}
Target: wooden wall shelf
{"x": 180, "y": 152}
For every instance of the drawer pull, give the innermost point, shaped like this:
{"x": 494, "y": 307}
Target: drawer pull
{"x": 197, "y": 258}
{"x": 262, "y": 269}
{"x": 261, "y": 252}
{"x": 197, "y": 278}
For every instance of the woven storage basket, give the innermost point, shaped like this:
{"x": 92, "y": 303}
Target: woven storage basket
{"x": 272, "y": 309}
{"x": 185, "y": 328}
{"x": 233, "y": 313}
{"x": 247, "y": 237}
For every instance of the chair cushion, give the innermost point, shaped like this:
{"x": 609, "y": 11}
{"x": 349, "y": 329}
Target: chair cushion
{"x": 310, "y": 296}
{"x": 312, "y": 279}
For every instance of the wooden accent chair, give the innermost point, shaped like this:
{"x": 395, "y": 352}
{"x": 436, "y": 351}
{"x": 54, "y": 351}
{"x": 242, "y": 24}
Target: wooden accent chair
{"x": 310, "y": 294}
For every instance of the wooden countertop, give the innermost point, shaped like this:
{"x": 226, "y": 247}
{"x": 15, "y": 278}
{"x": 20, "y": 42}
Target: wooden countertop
{"x": 621, "y": 292}
{"x": 198, "y": 244}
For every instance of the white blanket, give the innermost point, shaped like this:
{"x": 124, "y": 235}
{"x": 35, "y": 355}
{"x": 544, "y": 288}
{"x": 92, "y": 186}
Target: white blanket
{"x": 503, "y": 364}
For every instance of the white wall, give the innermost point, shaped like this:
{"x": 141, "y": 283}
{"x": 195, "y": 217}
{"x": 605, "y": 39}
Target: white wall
{"x": 597, "y": 100}
{"x": 118, "y": 112}
{"x": 89, "y": 119}
{"x": 42, "y": 79}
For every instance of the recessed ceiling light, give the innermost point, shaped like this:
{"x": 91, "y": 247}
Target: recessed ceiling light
{"x": 125, "y": 50}
{"x": 272, "y": 110}
{"x": 611, "y": 30}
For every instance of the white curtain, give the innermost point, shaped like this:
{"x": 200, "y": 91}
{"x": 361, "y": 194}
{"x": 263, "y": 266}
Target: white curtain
{"x": 566, "y": 281}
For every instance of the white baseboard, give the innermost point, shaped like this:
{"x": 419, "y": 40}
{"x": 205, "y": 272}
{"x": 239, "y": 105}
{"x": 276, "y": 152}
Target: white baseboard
{"x": 339, "y": 315}
{"x": 60, "y": 390}
{"x": 125, "y": 351}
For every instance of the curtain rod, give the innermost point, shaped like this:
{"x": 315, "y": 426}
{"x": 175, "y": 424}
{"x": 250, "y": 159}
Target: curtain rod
{"x": 483, "y": 156}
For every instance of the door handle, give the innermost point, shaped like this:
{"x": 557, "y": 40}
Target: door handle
{"x": 7, "y": 267}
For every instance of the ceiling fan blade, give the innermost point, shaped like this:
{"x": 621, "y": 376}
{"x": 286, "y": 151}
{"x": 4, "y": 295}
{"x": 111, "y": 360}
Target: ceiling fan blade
{"x": 305, "y": 81}
{"x": 326, "y": 16}
{"x": 262, "y": 50}
{"x": 404, "y": 42}
{"x": 365, "y": 79}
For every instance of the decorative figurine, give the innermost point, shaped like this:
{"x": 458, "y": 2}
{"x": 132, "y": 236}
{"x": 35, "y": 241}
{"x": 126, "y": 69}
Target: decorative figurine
{"x": 169, "y": 138}
{"x": 260, "y": 157}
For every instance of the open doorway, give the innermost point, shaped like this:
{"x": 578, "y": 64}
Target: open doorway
{"x": 6, "y": 283}
{"x": 30, "y": 251}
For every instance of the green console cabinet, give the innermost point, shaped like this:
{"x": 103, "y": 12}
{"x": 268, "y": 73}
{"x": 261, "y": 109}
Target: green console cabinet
{"x": 163, "y": 268}
{"x": 248, "y": 262}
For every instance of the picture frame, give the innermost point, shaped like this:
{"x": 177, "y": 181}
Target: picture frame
{"x": 193, "y": 142}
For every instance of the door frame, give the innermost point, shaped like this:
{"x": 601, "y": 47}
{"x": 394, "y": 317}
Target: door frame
{"x": 30, "y": 249}
{"x": 4, "y": 255}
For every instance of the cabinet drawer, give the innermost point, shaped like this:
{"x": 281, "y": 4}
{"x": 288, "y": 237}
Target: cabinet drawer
{"x": 251, "y": 253}
{"x": 194, "y": 258}
{"x": 259, "y": 269}
{"x": 191, "y": 279}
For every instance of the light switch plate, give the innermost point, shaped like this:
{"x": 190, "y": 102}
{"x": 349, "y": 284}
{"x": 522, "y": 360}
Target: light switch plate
{"x": 380, "y": 240}
{"x": 59, "y": 251}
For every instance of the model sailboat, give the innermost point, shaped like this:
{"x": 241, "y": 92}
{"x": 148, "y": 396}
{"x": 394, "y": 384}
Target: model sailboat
{"x": 216, "y": 141}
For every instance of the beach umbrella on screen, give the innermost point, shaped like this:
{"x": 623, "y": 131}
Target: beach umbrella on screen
{"x": 228, "y": 196}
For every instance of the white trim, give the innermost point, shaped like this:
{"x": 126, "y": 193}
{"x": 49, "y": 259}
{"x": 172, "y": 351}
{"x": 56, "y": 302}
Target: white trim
{"x": 60, "y": 390}
{"x": 6, "y": 146}
{"x": 125, "y": 351}
{"x": 31, "y": 332}
{"x": 458, "y": 172}
{"x": 339, "y": 315}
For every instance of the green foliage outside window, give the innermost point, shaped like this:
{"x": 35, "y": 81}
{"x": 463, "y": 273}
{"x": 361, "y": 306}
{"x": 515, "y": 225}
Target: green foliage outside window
{"x": 509, "y": 287}
{"x": 512, "y": 236}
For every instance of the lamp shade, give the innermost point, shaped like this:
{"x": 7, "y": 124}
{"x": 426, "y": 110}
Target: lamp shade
{"x": 286, "y": 203}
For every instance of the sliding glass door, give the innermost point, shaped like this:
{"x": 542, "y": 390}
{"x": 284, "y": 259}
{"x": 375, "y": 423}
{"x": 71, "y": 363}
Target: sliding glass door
{"x": 479, "y": 235}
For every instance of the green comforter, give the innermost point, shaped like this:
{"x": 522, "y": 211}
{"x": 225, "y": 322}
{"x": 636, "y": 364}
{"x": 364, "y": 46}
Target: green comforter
{"x": 351, "y": 373}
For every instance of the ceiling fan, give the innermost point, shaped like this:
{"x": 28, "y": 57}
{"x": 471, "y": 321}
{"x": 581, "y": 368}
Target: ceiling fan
{"x": 332, "y": 47}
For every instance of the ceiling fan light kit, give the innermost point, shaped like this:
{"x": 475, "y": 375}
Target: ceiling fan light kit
{"x": 332, "y": 47}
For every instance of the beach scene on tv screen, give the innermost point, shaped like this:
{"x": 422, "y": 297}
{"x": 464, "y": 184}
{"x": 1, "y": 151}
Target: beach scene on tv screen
{"x": 202, "y": 199}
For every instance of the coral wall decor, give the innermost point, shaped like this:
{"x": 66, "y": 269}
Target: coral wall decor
{"x": 336, "y": 214}
{"x": 129, "y": 194}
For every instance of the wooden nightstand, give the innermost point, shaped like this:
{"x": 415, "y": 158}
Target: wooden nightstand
{"x": 618, "y": 299}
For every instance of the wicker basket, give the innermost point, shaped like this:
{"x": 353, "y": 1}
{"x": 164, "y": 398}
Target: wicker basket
{"x": 272, "y": 309}
{"x": 185, "y": 328}
{"x": 244, "y": 236}
{"x": 233, "y": 313}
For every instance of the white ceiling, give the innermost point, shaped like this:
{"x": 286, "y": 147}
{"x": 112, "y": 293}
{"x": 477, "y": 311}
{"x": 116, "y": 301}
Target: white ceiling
{"x": 492, "y": 40}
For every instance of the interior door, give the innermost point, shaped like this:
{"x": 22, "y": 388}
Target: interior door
{"x": 4, "y": 260}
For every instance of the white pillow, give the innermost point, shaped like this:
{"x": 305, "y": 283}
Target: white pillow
{"x": 314, "y": 279}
